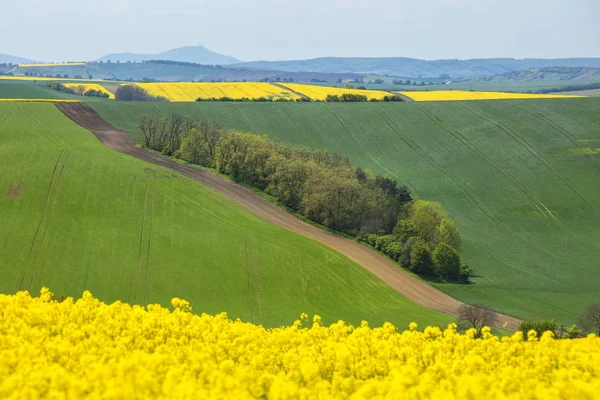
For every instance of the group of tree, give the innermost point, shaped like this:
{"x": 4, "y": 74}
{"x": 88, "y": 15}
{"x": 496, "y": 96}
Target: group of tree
{"x": 77, "y": 90}
{"x": 320, "y": 186}
{"x": 246, "y": 99}
{"x": 135, "y": 93}
{"x": 276, "y": 79}
{"x": 355, "y": 97}
{"x": 409, "y": 82}
{"x": 477, "y": 316}
{"x": 569, "y": 88}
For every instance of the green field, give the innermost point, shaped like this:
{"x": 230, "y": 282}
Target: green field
{"x": 77, "y": 215}
{"x": 29, "y": 90}
{"x": 520, "y": 177}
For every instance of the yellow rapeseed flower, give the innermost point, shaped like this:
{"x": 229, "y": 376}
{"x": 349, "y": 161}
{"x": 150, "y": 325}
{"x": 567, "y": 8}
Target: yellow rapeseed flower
{"x": 191, "y": 91}
{"x": 321, "y": 92}
{"x": 88, "y": 349}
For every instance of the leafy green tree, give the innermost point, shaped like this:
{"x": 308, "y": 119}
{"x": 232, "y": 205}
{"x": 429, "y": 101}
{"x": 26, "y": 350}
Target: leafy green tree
{"x": 420, "y": 258}
{"x": 539, "y": 326}
{"x": 446, "y": 262}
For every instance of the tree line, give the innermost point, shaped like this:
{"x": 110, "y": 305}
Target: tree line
{"x": 321, "y": 186}
{"x": 477, "y": 316}
{"x": 78, "y": 90}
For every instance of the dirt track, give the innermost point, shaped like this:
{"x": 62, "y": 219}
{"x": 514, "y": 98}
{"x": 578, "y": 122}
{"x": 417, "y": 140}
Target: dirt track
{"x": 412, "y": 288}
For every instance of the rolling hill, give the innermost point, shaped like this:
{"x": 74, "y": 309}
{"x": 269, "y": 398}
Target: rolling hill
{"x": 193, "y": 54}
{"x": 8, "y": 59}
{"x": 415, "y": 68}
{"x": 518, "y": 176}
{"x": 77, "y": 215}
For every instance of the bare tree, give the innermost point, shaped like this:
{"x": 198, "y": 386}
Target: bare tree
{"x": 590, "y": 319}
{"x": 475, "y": 316}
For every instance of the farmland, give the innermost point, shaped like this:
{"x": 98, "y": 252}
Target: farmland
{"x": 79, "y": 216}
{"x": 190, "y": 91}
{"x": 82, "y": 88}
{"x": 321, "y": 92}
{"x": 86, "y": 348}
{"x": 11, "y": 90}
{"x": 455, "y": 95}
{"x": 518, "y": 176}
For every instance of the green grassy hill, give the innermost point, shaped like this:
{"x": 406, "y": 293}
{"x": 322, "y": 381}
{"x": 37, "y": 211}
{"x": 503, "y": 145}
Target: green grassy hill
{"x": 29, "y": 90}
{"x": 520, "y": 177}
{"x": 77, "y": 215}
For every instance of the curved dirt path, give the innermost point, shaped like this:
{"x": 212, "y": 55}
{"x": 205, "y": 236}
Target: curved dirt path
{"x": 414, "y": 289}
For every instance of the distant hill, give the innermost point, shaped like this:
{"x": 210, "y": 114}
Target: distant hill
{"x": 545, "y": 74}
{"x": 8, "y": 59}
{"x": 194, "y": 54}
{"x": 411, "y": 67}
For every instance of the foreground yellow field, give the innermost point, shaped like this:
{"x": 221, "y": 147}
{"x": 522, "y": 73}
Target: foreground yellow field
{"x": 85, "y": 348}
{"x": 190, "y": 91}
{"x": 450, "y": 95}
{"x": 67, "y": 64}
{"x": 321, "y": 92}
{"x": 84, "y": 87}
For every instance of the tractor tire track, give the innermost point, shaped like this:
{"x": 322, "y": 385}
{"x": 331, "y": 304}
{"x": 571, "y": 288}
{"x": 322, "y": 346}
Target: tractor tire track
{"x": 37, "y": 265}
{"x": 139, "y": 261}
{"x": 530, "y": 149}
{"x": 348, "y": 128}
{"x": 59, "y": 181}
{"x": 493, "y": 218}
{"x": 568, "y": 135}
{"x": 457, "y": 135}
{"x": 41, "y": 220}
{"x": 410, "y": 287}
{"x": 149, "y": 243}
{"x": 256, "y": 278}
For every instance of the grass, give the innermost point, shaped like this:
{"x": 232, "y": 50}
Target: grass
{"x": 77, "y": 215}
{"x": 32, "y": 91}
{"x": 520, "y": 177}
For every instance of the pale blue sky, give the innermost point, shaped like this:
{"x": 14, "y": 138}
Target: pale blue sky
{"x": 299, "y": 29}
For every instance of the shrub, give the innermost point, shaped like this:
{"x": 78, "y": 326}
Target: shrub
{"x": 135, "y": 93}
{"x": 446, "y": 262}
{"x": 539, "y": 326}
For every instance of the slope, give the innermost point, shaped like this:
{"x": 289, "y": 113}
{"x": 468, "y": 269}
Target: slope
{"x": 77, "y": 215}
{"x": 415, "y": 68}
{"x": 519, "y": 177}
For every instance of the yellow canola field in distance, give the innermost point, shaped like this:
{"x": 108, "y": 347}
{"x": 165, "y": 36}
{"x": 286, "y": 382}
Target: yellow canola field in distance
{"x": 68, "y": 64}
{"x": 39, "y": 101}
{"x": 453, "y": 95}
{"x": 87, "y": 349}
{"x": 321, "y": 92}
{"x": 190, "y": 91}
{"x": 81, "y": 88}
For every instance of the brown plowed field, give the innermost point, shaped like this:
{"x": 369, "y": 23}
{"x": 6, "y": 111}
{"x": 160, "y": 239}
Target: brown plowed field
{"x": 411, "y": 287}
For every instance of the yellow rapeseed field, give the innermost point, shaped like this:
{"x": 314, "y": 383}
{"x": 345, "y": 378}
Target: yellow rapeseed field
{"x": 321, "y": 92}
{"x": 39, "y": 100}
{"x": 67, "y": 64}
{"x": 190, "y": 91}
{"x": 450, "y": 95}
{"x": 82, "y": 88}
{"x": 88, "y": 349}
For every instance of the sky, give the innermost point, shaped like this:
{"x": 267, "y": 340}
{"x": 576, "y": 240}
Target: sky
{"x": 299, "y": 29}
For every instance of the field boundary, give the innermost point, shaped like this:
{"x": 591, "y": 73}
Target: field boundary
{"x": 409, "y": 286}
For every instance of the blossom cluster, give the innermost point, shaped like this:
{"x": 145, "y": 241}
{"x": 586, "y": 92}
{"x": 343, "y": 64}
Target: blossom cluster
{"x": 84, "y": 348}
